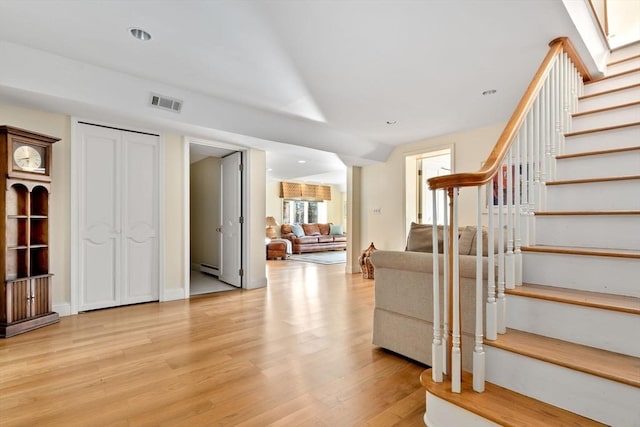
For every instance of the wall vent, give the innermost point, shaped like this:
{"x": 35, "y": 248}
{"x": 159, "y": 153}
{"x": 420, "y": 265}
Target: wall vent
{"x": 166, "y": 103}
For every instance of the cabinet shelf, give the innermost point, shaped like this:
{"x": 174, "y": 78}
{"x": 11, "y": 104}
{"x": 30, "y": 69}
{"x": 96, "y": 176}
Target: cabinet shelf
{"x": 38, "y": 217}
{"x": 17, "y": 216}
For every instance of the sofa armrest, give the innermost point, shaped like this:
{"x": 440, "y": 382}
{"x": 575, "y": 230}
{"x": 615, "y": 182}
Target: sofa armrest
{"x": 402, "y": 260}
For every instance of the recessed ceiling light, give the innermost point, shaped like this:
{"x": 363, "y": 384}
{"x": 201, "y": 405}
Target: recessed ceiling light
{"x": 140, "y": 34}
{"x": 302, "y": 161}
{"x": 489, "y": 92}
{"x": 391, "y": 122}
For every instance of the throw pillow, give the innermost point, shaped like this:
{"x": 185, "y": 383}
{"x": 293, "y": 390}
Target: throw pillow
{"x": 324, "y": 229}
{"x": 485, "y": 242}
{"x": 335, "y": 229}
{"x": 420, "y": 238}
{"x": 297, "y": 230}
{"x": 311, "y": 229}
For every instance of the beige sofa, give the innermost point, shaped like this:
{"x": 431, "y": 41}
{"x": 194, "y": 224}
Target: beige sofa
{"x": 403, "y": 313}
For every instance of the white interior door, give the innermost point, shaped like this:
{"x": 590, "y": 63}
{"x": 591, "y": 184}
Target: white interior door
{"x": 140, "y": 218}
{"x": 99, "y": 218}
{"x": 231, "y": 213}
{"x": 118, "y": 217}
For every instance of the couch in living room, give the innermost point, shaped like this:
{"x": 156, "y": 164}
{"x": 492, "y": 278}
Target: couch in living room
{"x": 403, "y": 311}
{"x": 314, "y": 237}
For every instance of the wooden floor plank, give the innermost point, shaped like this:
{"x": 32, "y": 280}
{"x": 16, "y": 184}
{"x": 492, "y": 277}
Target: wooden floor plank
{"x": 298, "y": 352}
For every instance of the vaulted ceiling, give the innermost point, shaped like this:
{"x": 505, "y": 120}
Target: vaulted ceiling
{"x": 323, "y": 75}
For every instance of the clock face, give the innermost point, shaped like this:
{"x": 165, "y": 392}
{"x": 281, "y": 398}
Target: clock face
{"x": 29, "y": 158}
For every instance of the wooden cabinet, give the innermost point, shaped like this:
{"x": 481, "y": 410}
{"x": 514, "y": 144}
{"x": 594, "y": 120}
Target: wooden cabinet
{"x": 25, "y": 171}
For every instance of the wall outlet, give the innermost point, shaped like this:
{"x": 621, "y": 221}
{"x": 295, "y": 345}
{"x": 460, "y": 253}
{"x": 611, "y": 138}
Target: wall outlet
{"x": 377, "y": 211}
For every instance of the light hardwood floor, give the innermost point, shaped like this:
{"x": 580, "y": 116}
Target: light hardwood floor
{"x": 297, "y": 353}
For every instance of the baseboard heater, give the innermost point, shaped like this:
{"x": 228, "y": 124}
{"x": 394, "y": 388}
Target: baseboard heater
{"x": 209, "y": 269}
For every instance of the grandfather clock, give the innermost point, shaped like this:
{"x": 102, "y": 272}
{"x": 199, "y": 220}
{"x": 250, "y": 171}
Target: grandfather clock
{"x": 25, "y": 172}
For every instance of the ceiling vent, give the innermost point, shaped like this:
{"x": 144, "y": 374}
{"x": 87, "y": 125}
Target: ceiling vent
{"x": 166, "y": 103}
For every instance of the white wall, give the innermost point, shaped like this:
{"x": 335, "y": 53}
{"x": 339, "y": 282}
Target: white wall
{"x": 383, "y": 186}
{"x": 205, "y": 211}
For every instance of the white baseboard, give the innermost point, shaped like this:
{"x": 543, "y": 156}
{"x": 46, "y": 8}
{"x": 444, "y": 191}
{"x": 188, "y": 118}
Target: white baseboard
{"x": 63, "y": 309}
{"x": 173, "y": 294}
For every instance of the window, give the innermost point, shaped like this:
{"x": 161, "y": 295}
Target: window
{"x": 303, "y": 211}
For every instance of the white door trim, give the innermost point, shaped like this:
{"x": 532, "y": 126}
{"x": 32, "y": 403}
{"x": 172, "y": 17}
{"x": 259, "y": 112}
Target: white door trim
{"x": 75, "y": 201}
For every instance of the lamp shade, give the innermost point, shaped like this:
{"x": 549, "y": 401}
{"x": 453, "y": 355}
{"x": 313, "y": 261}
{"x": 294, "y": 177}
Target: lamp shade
{"x": 271, "y": 223}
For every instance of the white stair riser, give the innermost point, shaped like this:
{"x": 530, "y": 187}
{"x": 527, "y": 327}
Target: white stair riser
{"x": 626, "y": 163}
{"x": 618, "y": 116}
{"x": 612, "y": 83}
{"x": 626, "y": 52}
{"x": 593, "y": 397}
{"x": 606, "y": 195}
{"x": 610, "y": 99}
{"x": 617, "y": 138}
{"x": 610, "y": 275}
{"x": 589, "y": 231}
{"x": 441, "y": 413}
{"x": 606, "y": 329}
{"x": 621, "y": 67}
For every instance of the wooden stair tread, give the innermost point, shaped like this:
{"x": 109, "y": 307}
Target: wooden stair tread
{"x": 586, "y": 213}
{"x": 600, "y": 300}
{"x": 612, "y": 76}
{"x": 605, "y": 92}
{"x": 503, "y": 406}
{"x": 602, "y": 363}
{"x": 601, "y": 110}
{"x": 598, "y": 152}
{"x": 630, "y": 58}
{"x": 590, "y": 180}
{"x": 570, "y": 250}
{"x": 602, "y": 129}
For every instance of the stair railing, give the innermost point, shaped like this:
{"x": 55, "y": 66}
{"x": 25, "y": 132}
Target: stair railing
{"x": 513, "y": 180}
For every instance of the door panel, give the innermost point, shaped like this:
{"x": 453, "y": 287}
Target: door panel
{"x": 118, "y": 183}
{"x": 140, "y": 219}
{"x": 99, "y": 221}
{"x": 231, "y": 211}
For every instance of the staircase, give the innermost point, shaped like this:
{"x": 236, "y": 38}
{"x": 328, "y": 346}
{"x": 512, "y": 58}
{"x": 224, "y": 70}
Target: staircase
{"x": 571, "y": 354}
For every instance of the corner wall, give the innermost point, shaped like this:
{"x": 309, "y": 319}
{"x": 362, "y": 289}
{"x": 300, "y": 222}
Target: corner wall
{"x": 383, "y": 186}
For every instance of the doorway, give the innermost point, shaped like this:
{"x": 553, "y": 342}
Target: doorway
{"x": 213, "y": 251}
{"x": 419, "y": 168}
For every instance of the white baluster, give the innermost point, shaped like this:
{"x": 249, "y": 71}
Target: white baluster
{"x": 478, "y": 350}
{"x": 445, "y": 299}
{"x": 492, "y": 309}
{"x": 533, "y": 170}
{"x": 502, "y": 302}
{"x": 510, "y": 276}
{"x": 520, "y": 171}
{"x": 456, "y": 359}
{"x": 436, "y": 346}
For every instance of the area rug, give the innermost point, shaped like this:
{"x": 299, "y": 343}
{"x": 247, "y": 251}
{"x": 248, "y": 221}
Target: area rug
{"x": 331, "y": 257}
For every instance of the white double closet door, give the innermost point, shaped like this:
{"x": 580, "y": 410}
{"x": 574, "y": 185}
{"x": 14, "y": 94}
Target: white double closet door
{"x": 118, "y": 217}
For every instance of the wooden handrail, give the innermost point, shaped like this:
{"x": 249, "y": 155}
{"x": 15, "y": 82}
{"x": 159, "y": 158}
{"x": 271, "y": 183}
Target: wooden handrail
{"x": 496, "y": 157}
